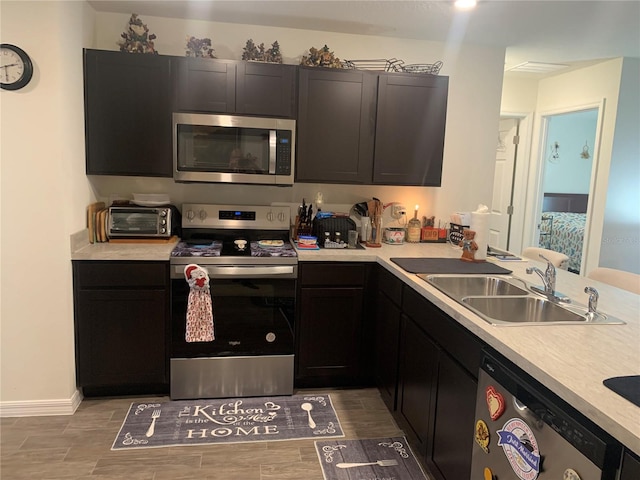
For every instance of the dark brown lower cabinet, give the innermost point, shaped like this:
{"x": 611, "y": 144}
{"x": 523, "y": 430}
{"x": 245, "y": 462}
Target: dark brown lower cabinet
{"x": 630, "y": 468}
{"x": 121, "y": 312}
{"x": 436, "y": 384}
{"x": 330, "y": 334}
{"x": 418, "y": 369}
{"x": 449, "y": 455}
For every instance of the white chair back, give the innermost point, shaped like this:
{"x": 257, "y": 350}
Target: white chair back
{"x": 559, "y": 260}
{"x": 617, "y": 278}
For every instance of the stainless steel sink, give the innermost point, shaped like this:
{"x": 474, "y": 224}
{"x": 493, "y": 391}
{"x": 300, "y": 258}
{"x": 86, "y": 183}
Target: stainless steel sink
{"x": 459, "y": 286}
{"x": 507, "y": 300}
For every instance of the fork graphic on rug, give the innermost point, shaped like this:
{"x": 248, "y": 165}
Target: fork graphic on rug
{"x": 152, "y": 428}
{"x": 382, "y": 463}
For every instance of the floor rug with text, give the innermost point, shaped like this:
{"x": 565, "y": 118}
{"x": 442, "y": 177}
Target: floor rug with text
{"x": 201, "y": 422}
{"x": 381, "y": 458}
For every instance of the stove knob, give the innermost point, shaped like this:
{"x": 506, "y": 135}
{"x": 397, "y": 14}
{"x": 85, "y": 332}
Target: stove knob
{"x": 281, "y": 216}
{"x": 163, "y": 222}
{"x": 270, "y": 216}
{"x": 163, "y": 230}
{"x": 191, "y": 214}
{"x": 203, "y": 215}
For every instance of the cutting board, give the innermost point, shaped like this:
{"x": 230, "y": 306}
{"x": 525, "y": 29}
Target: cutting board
{"x": 92, "y": 210}
{"x": 448, "y": 265}
{"x": 627, "y": 387}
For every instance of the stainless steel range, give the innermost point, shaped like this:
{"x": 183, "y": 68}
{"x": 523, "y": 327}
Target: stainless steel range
{"x": 252, "y": 267}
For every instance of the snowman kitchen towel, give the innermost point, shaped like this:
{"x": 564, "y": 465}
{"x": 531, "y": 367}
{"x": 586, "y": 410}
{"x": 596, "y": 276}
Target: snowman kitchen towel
{"x": 199, "y": 308}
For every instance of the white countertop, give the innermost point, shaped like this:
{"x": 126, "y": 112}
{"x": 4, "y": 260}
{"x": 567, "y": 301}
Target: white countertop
{"x": 571, "y": 360}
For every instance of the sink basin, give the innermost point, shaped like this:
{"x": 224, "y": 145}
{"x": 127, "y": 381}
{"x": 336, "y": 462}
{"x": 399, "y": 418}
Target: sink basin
{"x": 507, "y": 300}
{"x": 532, "y": 310}
{"x": 459, "y": 286}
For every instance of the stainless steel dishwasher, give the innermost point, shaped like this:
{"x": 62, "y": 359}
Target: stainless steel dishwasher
{"x": 524, "y": 431}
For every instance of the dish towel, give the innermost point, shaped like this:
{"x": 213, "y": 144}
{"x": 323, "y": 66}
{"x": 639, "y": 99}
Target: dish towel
{"x": 199, "y": 307}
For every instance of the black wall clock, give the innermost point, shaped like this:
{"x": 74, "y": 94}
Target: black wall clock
{"x": 16, "y": 68}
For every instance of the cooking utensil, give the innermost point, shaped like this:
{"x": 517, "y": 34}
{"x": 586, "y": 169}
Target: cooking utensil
{"x": 382, "y": 463}
{"x": 307, "y": 407}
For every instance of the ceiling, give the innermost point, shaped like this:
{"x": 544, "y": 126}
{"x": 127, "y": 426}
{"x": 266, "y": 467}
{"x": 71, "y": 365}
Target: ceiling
{"x": 573, "y": 32}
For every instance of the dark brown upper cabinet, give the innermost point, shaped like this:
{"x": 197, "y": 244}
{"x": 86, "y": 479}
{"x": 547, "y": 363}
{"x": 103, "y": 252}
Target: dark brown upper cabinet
{"x": 266, "y": 89}
{"x": 127, "y": 114}
{"x": 410, "y": 127}
{"x": 205, "y": 85}
{"x": 336, "y": 124}
{"x": 363, "y": 127}
{"x": 233, "y": 87}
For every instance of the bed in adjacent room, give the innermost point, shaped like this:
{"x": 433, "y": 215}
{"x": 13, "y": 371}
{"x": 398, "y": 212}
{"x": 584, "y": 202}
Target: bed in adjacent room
{"x": 562, "y": 225}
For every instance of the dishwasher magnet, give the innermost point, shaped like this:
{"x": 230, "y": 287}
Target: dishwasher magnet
{"x": 521, "y": 448}
{"x": 199, "y": 308}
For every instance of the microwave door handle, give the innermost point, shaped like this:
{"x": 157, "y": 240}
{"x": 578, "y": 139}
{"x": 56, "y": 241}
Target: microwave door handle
{"x": 272, "y": 152}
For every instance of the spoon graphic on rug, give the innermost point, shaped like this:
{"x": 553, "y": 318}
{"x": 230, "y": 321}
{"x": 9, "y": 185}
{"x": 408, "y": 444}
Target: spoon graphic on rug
{"x": 307, "y": 407}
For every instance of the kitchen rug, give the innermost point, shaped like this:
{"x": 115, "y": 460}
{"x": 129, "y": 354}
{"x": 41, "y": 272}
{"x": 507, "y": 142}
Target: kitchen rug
{"x": 224, "y": 421}
{"x": 381, "y": 458}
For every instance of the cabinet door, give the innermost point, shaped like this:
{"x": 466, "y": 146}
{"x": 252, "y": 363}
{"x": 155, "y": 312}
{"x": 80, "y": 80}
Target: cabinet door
{"x": 206, "y": 85}
{"x": 336, "y": 122}
{"x": 630, "y": 469}
{"x": 127, "y": 114}
{"x": 419, "y": 356}
{"x": 449, "y": 453}
{"x": 120, "y": 337}
{"x": 266, "y": 89}
{"x": 409, "y": 138}
{"x": 329, "y": 336}
{"x": 387, "y": 340}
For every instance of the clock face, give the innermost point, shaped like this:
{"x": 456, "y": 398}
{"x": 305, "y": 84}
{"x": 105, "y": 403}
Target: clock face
{"x": 16, "y": 68}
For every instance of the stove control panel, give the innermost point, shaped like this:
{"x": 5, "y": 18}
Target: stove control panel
{"x": 235, "y": 216}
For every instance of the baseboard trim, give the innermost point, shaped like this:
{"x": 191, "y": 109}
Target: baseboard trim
{"x": 38, "y": 408}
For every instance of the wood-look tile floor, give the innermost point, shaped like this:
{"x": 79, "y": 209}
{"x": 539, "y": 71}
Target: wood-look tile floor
{"x": 78, "y": 447}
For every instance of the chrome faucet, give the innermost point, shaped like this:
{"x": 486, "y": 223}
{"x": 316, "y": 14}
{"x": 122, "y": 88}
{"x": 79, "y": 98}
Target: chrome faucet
{"x": 548, "y": 277}
{"x": 593, "y": 298}
{"x": 548, "y": 281}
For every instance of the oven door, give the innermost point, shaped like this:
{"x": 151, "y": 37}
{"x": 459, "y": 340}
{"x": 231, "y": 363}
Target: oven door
{"x": 251, "y": 316}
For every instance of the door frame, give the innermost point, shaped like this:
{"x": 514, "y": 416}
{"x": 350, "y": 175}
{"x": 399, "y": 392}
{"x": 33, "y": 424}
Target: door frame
{"x": 521, "y": 178}
{"x": 591, "y": 244}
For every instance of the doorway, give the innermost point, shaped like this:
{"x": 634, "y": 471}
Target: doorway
{"x": 566, "y": 165}
{"x": 510, "y": 182}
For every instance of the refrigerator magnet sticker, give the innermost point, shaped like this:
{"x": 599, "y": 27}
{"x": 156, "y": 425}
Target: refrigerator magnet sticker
{"x": 521, "y": 448}
{"x": 495, "y": 402}
{"x": 482, "y": 435}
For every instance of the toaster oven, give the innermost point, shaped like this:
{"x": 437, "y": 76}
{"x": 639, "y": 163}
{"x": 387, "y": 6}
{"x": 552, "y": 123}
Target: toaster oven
{"x": 126, "y": 221}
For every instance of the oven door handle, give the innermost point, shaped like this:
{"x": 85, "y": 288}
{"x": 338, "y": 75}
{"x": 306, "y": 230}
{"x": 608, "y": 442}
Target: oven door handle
{"x": 240, "y": 270}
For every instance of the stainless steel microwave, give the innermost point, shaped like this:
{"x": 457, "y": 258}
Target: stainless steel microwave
{"x": 233, "y": 149}
{"x": 125, "y": 221}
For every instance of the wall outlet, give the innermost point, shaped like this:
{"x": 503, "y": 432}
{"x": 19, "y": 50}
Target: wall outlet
{"x": 397, "y": 211}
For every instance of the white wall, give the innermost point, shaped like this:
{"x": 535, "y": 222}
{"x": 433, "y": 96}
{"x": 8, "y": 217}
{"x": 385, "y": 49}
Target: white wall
{"x": 620, "y": 245}
{"x": 44, "y": 191}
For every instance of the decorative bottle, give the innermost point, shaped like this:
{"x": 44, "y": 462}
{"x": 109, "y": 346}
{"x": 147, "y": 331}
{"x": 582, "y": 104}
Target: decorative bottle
{"x": 414, "y": 227}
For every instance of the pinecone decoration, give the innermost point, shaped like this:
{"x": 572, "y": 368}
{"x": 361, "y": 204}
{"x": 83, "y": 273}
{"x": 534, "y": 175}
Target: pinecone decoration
{"x": 321, "y": 58}
{"x": 273, "y": 55}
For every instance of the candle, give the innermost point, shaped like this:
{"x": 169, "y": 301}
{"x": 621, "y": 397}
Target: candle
{"x": 415, "y": 214}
